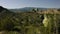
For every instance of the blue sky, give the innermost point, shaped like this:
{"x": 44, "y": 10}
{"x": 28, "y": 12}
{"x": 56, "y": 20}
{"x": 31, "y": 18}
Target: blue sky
{"x": 30, "y": 3}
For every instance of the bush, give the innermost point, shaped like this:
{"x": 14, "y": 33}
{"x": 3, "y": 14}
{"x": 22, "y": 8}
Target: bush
{"x": 12, "y": 32}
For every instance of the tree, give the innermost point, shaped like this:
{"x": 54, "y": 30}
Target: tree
{"x": 33, "y": 10}
{"x": 58, "y": 9}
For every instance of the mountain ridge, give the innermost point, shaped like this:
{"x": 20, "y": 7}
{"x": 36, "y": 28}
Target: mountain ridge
{"x": 27, "y": 9}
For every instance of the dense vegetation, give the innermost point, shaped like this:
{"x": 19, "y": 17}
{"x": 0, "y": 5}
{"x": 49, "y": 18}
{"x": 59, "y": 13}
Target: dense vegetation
{"x": 28, "y": 22}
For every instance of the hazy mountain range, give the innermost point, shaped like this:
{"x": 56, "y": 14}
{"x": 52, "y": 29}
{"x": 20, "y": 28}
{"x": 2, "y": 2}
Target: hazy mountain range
{"x": 26, "y": 9}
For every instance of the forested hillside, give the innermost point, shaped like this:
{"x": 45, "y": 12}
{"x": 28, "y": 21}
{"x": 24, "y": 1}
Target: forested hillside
{"x": 29, "y": 22}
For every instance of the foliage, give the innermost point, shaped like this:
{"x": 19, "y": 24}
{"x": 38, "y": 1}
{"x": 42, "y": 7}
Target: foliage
{"x": 29, "y": 22}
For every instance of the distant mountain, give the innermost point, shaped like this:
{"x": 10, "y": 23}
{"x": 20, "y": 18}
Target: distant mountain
{"x": 26, "y": 9}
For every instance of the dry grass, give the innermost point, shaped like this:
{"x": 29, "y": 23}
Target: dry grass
{"x": 50, "y": 11}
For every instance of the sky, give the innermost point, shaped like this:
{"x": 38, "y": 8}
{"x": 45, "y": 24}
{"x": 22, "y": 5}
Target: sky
{"x": 30, "y": 3}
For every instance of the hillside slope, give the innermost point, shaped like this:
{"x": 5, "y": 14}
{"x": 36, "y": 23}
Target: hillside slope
{"x": 29, "y": 22}
{"x": 20, "y": 22}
